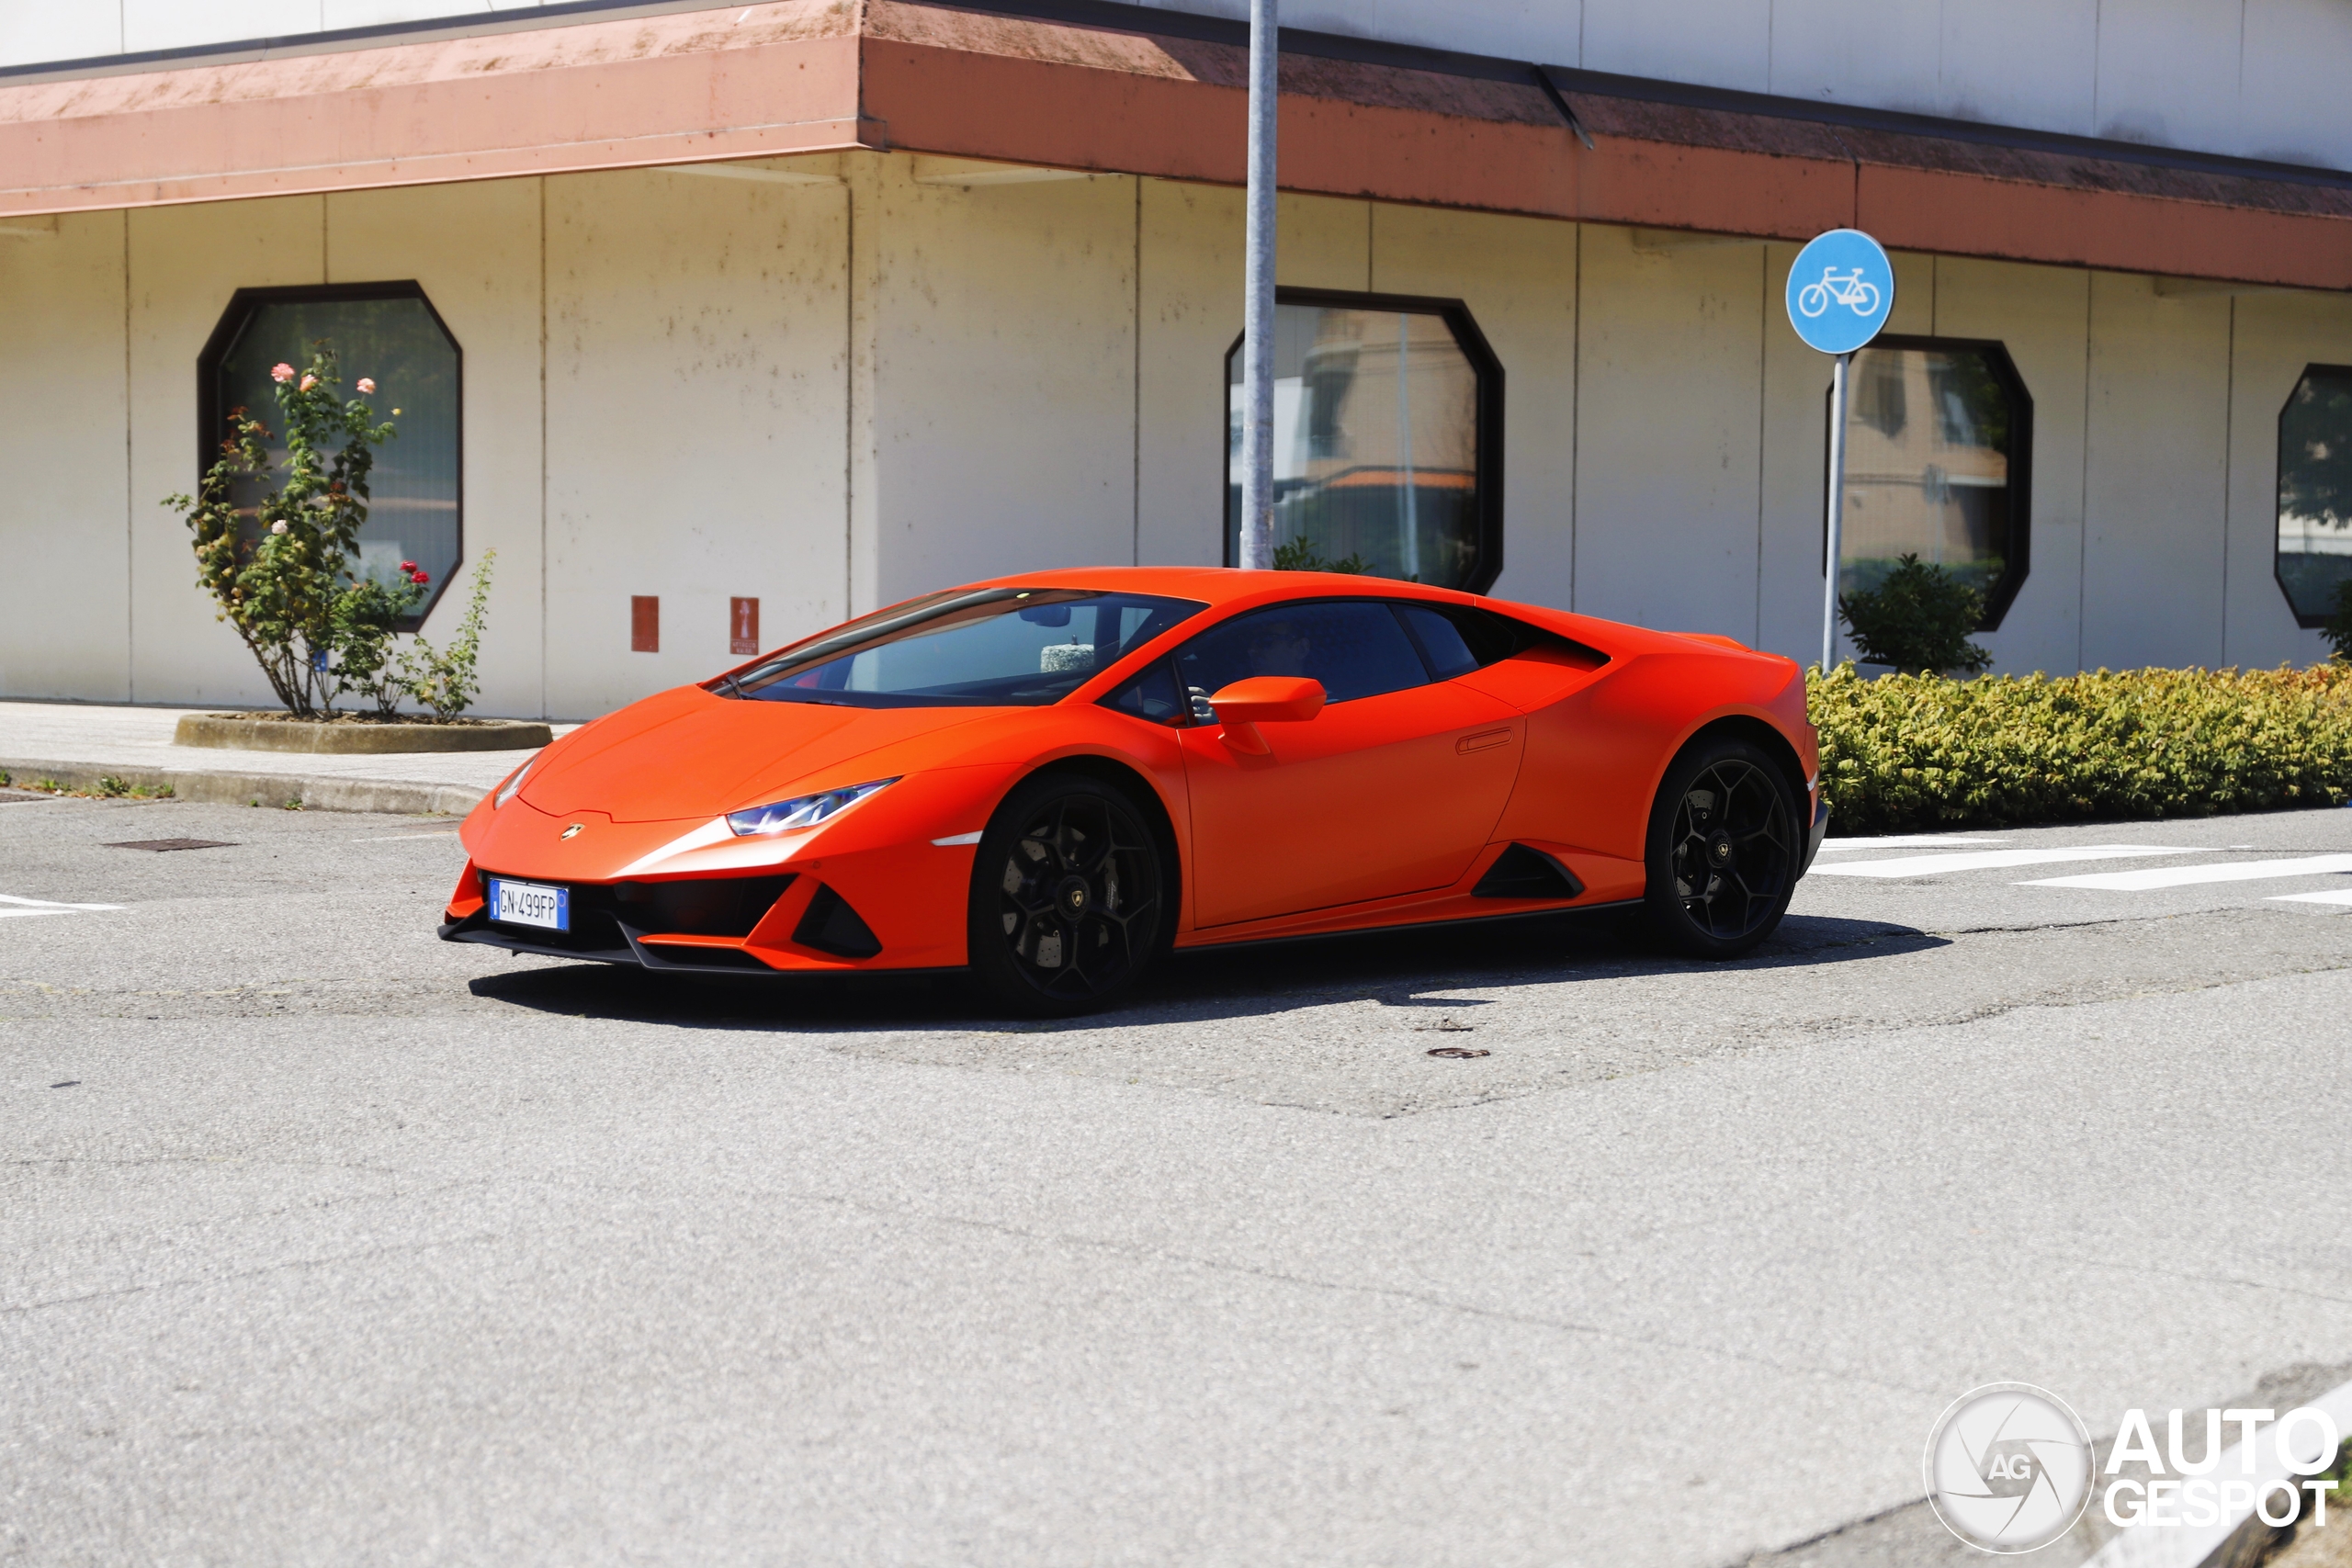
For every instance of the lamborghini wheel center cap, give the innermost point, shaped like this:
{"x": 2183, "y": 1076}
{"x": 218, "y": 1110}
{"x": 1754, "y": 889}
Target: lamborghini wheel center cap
{"x": 1073, "y": 896}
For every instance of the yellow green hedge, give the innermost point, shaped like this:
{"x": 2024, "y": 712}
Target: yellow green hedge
{"x": 1912, "y": 751}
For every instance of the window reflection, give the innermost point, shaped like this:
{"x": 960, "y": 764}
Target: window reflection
{"x": 1375, "y": 442}
{"x": 1933, "y": 437}
{"x": 2316, "y": 492}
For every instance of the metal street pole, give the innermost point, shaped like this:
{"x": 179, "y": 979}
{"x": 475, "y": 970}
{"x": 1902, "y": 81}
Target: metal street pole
{"x": 1256, "y": 550}
{"x": 1837, "y": 509}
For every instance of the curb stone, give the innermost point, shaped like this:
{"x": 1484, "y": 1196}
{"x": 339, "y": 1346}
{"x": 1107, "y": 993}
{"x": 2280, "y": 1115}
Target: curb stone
{"x": 317, "y": 793}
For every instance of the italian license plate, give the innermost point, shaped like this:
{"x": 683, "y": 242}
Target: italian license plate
{"x": 530, "y": 904}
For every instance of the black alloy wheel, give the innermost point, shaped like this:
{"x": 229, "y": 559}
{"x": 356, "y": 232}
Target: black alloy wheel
{"x": 1723, "y": 850}
{"x": 1066, "y": 896}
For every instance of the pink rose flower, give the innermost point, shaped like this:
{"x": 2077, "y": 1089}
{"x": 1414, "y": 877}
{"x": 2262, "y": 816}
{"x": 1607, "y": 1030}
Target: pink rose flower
{"x": 367, "y": 383}
{"x": 281, "y": 372}
{"x": 278, "y": 526}
{"x": 307, "y": 382}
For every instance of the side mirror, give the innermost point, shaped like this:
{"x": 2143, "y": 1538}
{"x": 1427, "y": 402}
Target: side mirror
{"x": 1264, "y": 699}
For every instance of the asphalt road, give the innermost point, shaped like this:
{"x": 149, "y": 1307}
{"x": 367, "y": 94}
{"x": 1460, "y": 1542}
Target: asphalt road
{"x": 322, "y": 1241}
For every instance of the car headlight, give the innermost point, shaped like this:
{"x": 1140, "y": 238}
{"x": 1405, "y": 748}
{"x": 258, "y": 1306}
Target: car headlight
{"x": 514, "y": 782}
{"x": 802, "y": 811}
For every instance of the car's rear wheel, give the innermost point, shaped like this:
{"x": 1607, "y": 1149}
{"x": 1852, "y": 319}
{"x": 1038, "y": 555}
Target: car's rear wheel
{"x": 1067, "y": 901}
{"x": 1723, "y": 850}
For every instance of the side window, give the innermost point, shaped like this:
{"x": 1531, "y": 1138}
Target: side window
{"x": 1354, "y": 647}
{"x": 1442, "y": 640}
{"x": 1151, "y": 696}
{"x": 1458, "y": 638}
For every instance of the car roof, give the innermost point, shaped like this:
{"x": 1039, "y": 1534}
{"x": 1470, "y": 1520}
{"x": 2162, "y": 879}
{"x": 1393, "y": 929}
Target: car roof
{"x": 1220, "y": 586}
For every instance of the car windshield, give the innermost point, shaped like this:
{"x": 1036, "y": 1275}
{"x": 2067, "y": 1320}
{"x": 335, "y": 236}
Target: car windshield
{"x": 984, "y": 648}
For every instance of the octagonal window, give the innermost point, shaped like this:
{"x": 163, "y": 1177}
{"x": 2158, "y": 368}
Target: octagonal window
{"x": 2316, "y": 492}
{"x": 390, "y": 332}
{"x": 1387, "y": 440}
{"x": 1937, "y": 438}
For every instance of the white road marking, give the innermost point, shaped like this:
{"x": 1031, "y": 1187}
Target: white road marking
{"x": 2336, "y": 896}
{"x": 2185, "y": 875}
{"x": 15, "y": 905}
{"x": 958, "y": 838}
{"x": 1987, "y": 860}
{"x": 1904, "y": 842}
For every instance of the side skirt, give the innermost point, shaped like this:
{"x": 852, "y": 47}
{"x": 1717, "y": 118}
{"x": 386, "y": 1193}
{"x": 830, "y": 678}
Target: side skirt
{"x": 1557, "y": 913}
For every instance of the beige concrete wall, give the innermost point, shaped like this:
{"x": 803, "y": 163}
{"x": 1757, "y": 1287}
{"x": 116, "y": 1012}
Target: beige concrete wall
{"x": 2154, "y": 475}
{"x": 1669, "y": 432}
{"x": 65, "y": 514}
{"x": 696, "y": 435}
{"x": 862, "y": 382}
{"x": 997, "y": 428}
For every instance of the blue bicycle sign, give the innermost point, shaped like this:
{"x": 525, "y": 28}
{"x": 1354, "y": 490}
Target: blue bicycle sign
{"x": 1840, "y": 291}
{"x": 1853, "y": 291}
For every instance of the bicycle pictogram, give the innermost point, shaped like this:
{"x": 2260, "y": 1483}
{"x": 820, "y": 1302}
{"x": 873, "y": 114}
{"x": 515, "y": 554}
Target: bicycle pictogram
{"x": 1847, "y": 289}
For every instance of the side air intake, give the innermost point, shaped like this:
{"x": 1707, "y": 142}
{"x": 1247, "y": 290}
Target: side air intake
{"x": 1521, "y": 873}
{"x": 831, "y": 926}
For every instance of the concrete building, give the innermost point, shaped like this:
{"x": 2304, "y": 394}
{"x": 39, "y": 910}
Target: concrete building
{"x": 722, "y": 323}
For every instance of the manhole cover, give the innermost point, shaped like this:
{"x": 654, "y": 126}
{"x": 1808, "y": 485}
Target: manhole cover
{"x": 159, "y": 845}
{"x": 1459, "y": 1053}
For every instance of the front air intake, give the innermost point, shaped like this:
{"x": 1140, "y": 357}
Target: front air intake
{"x": 831, "y": 926}
{"x": 1521, "y": 873}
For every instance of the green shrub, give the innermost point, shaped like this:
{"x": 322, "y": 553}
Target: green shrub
{"x": 1920, "y": 752}
{"x": 1300, "y": 555}
{"x": 2337, "y": 628}
{"x": 446, "y": 682}
{"x": 1917, "y": 619}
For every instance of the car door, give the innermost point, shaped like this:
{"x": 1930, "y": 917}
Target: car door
{"x": 1392, "y": 788}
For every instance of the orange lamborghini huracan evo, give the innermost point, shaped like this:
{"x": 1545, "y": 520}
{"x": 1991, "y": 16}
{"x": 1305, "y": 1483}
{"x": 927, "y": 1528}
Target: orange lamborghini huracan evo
{"x": 1050, "y": 779}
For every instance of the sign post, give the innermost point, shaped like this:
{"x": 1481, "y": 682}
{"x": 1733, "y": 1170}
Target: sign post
{"x": 1256, "y": 542}
{"x": 1841, "y": 292}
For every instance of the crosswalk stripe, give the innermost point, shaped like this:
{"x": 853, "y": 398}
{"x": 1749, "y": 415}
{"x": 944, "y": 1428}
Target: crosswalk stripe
{"x": 1986, "y": 859}
{"x": 2333, "y": 895}
{"x": 1907, "y": 842}
{"x": 44, "y": 907}
{"x": 2185, "y": 875}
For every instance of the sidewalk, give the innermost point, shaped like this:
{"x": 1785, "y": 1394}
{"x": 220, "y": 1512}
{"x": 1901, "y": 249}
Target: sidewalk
{"x": 78, "y": 743}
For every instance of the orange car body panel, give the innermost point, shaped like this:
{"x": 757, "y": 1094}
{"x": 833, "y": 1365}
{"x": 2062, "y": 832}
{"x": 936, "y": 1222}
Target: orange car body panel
{"x": 1377, "y": 812}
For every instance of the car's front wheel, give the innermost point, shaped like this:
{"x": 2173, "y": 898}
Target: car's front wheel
{"x": 1068, "y": 903}
{"x": 1724, "y": 851}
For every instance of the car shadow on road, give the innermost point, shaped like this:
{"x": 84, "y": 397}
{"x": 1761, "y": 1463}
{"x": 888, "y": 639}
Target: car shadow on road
{"x": 1419, "y": 969}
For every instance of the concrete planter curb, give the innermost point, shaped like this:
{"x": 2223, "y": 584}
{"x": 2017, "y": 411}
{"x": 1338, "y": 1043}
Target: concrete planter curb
{"x": 388, "y": 797}
{"x": 243, "y": 732}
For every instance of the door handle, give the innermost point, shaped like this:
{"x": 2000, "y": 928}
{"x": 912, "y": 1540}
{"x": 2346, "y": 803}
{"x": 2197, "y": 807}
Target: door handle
{"x": 1481, "y": 741}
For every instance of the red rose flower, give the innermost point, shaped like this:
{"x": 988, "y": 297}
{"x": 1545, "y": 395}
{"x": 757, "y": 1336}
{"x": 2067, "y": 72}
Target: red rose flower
{"x": 422, "y": 577}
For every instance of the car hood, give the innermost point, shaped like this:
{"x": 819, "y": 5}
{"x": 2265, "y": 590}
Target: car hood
{"x": 691, "y": 753}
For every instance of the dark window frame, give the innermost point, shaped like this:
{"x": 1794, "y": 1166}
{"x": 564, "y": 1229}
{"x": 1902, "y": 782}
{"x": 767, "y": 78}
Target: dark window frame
{"x": 238, "y": 315}
{"x": 2278, "y": 478}
{"x": 2018, "y": 563}
{"x": 1486, "y": 368}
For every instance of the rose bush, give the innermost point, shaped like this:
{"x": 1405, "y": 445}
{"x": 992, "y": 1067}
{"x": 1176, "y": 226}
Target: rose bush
{"x": 280, "y": 568}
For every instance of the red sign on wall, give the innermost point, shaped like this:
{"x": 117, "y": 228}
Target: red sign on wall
{"x": 645, "y": 623}
{"x": 743, "y": 625}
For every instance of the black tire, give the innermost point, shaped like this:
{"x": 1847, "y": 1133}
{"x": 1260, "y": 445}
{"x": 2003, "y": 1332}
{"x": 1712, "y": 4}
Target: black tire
{"x": 1070, "y": 902}
{"x": 1723, "y": 850}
